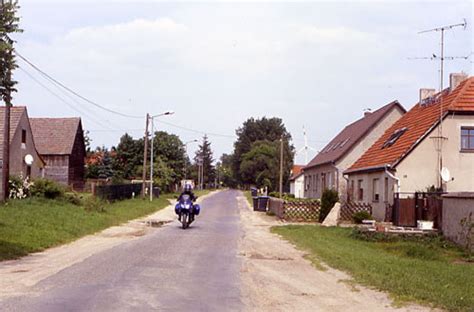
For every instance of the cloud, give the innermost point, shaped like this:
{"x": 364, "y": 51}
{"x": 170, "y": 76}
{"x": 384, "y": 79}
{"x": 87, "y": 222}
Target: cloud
{"x": 336, "y": 35}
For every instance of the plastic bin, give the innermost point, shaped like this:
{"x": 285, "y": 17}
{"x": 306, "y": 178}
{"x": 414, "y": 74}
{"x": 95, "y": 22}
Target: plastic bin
{"x": 255, "y": 203}
{"x": 262, "y": 203}
{"x": 254, "y": 191}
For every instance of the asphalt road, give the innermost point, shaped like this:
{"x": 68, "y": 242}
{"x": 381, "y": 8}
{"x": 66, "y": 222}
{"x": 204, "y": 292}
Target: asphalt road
{"x": 170, "y": 269}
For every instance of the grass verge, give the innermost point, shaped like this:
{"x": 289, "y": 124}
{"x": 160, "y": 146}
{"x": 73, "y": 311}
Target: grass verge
{"x": 34, "y": 224}
{"x": 427, "y": 271}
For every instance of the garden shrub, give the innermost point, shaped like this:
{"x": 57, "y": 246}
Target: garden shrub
{"x": 329, "y": 198}
{"x": 47, "y": 189}
{"x": 93, "y": 204}
{"x": 360, "y": 216}
{"x": 73, "y": 198}
{"x": 19, "y": 188}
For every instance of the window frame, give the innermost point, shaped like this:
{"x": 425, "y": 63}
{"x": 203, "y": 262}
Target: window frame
{"x": 469, "y": 136}
{"x": 360, "y": 190}
{"x": 23, "y": 136}
{"x": 375, "y": 185}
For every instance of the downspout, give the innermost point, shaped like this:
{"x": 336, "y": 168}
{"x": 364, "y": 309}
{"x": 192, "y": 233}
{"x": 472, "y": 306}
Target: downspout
{"x": 337, "y": 176}
{"x": 393, "y": 177}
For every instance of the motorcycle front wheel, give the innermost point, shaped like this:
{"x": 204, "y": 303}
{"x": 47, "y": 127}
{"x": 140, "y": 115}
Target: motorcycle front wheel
{"x": 184, "y": 220}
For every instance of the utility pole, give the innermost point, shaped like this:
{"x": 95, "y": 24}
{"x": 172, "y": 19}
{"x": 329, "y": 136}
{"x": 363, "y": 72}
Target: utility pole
{"x": 6, "y": 129}
{"x": 281, "y": 167}
{"x": 145, "y": 156}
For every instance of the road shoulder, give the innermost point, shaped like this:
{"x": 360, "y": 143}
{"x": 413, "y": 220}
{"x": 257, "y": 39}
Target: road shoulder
{"x": 276, "y": 276}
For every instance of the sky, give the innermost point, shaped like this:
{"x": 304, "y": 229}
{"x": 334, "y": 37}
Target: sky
{"x": 315, "y": 64}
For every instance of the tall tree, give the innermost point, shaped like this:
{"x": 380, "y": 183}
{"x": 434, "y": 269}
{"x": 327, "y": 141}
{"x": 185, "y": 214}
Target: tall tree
{"x": 8, "y": 25}
{"x": 170, "y": 149}
{"x": 226, "y": 175}
{"x": 204, "y": 152}
{"x": 255, "y": 130}
{"x": 128, "y": 157}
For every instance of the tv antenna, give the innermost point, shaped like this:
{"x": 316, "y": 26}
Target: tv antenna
{"x": 306, "y": 147}
{"x": 442, "y": 58}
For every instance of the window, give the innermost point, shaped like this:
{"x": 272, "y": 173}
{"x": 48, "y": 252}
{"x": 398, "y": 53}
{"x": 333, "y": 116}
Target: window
{"x": 314, "y": 183}
{"x": 394, "y": 137}
{"x": 23, "y": 136}
{"x": 330, "y": 184}
{"x": 360, "y": 190}
{"x": 375, "y": 190}
{"x": 28, "y": 171}
{"x": 351, "y": 191}
{"x": 317, "y": 182}
{"x": 385, "y": 195}
{"x": 467, "y": 138}
{"x": 323, "y": 182}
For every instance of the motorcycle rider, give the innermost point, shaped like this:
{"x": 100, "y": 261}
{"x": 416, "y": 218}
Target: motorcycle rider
{"x": 188, "y": 190}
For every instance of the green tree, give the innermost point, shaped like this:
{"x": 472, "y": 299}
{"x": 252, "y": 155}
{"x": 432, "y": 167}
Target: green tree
{"x": 9, "y": 24}
{"x": 105, "y": 169}
{"x": 164, "y": 175}
{"x": 204, "y": 153}
{"x": 128, "y": 157}
{"x": 170, "y": 149}
{"x": 261, "y": 165}
{"x": 255, "y": 130}
{"x": 226, "y": 175}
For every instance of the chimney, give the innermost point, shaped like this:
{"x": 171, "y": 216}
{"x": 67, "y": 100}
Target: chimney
{"x": 455, "y": 80}
{"x": 426, "y": 93}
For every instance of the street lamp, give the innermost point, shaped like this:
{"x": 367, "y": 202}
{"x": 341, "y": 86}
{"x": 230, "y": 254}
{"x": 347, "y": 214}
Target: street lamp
{"x": 185, "y": 162}
{"x": 151, "y": 155}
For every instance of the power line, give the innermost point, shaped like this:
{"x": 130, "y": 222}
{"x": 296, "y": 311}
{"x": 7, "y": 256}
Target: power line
{"x": 56, "y": 95}
{"x": 198, "y": 131}
{"x": 59, "y": 97}
{"x": 72, "y": 91}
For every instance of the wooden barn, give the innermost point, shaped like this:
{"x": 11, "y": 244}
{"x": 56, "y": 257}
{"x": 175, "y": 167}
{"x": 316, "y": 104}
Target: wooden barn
{"x": 60, "y": 142}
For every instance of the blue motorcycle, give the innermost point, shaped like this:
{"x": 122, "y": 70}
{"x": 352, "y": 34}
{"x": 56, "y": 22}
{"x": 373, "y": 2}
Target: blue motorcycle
{"x": 186, "y": 210}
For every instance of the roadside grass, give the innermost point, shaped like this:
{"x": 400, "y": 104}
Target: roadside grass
{"x": 429, "y": 271}
{"x": 34, "y": 224}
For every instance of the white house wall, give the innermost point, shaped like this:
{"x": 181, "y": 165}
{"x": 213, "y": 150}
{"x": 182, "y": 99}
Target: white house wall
{"x": 419, "y": 169}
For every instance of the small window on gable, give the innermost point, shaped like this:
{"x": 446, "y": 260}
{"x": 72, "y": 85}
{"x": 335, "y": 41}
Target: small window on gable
{"x": 394, "y": 137}
{"x": 23, "y": 136}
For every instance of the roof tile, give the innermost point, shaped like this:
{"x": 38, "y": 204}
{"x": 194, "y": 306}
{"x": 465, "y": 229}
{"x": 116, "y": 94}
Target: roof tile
{"x": 419, "y": 121}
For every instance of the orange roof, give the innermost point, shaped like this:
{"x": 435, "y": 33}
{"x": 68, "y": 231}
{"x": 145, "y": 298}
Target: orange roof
{"x": 419, "y": 122}
{"x": 296, "y": 171}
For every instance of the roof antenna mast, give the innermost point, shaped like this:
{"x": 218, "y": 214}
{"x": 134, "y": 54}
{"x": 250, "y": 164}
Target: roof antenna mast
{"x": 441, "y": 58}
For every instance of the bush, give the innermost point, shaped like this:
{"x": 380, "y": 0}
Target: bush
{"x": 47, "y": 189}
{"x": 329, "y": 198}
{"x": 73, "y": 198}
{"x": 93, "y": 204}
{"x": 19, "y": 188}
{"x": 358, "y": 217}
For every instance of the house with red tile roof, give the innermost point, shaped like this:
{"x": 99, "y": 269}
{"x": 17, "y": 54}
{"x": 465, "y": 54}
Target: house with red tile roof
{"x": 60, "y": 142}
{"x": 297, "y": 181}
{"x": 438, "y": 132}
{"x": 21, "y": 144}
{"x": 325, "y": 171}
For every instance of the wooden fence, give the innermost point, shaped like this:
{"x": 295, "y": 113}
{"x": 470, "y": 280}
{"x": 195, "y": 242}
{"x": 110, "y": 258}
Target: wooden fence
{"x": 348, "y": 209}
{"x": 417, "y": 206}
{"x": 118, "y": 192}
{"x": 296, "y": 211}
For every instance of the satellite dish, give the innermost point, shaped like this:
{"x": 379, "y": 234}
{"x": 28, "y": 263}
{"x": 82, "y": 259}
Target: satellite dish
{"x": 445, "y": 175}
{"x": 29, "y": 160}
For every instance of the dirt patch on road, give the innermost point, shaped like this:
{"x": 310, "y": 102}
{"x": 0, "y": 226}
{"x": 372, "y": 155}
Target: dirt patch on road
{"x": 278, "y": 277}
